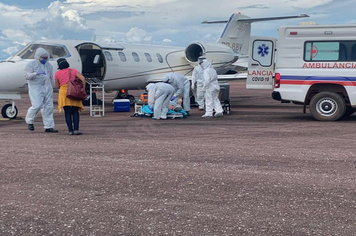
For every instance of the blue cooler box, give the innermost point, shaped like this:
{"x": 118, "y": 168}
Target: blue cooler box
{"x": 121, "y": 105}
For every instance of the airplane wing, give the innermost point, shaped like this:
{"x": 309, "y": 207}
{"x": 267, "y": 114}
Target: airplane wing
{"x": 156, "y": 80}
{"x": 237, "y": 76}
{"x": 241, "y": 64}
{"x": 272, "y": 18}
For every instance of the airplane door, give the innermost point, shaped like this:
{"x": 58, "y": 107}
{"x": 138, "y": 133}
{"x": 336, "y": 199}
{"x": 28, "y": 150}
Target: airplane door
{"x": 261, "y": 63}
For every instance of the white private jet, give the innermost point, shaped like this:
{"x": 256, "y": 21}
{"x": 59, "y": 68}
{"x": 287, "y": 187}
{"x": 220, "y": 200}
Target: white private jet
{"x": 122, "y": 67}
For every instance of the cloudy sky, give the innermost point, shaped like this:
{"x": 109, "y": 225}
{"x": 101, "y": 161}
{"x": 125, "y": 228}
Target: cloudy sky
{"x": 164, "y": 22}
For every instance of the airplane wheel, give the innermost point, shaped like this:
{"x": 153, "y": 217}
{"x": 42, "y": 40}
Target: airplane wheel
{"x": 132, "y": 99}
{"x": 7, "y": 112}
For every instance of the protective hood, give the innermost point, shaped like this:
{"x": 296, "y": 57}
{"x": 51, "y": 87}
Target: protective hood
{"x": 41, "y": 52}
{"x": 149, "y": 86}
{"x": 166, "y": 79}
{"x": 205, "y": 64}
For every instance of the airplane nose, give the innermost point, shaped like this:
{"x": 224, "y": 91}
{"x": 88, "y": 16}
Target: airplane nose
{"x": 12, "y": 77}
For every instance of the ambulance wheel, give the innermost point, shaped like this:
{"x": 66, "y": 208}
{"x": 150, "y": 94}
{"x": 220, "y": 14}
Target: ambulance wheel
{"x": 7, "y": 112}
{"x": 327, "y": 106}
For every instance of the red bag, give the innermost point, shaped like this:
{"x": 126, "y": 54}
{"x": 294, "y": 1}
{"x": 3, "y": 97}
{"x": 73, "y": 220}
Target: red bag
{"x": 75, "y": 90}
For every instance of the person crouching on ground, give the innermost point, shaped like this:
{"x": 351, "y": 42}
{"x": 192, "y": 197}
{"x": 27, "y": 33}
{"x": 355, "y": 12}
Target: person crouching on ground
{"x": 159, "y": 96}
{"x": 182, "y": 88}
{"x": 71, "y": 107}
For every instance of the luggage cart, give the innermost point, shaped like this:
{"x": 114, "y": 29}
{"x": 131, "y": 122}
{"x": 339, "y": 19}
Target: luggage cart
{"x": 225, "y": 98}
{"x": 140, "y": 103}
{"x": 226, "y": 107}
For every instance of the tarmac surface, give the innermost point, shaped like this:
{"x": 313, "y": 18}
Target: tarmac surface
{"x": 265, "y": 169}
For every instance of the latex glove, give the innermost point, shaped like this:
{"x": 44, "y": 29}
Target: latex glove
{"x": 172, "y": 98}
{"x": 41, "y": 72}
{"x": 151, "y": 108}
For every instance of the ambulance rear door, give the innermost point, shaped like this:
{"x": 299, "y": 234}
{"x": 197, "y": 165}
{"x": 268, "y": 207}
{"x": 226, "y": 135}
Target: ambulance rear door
{"x": 261, "y": 63}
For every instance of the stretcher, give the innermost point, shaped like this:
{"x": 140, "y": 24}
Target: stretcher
{"x": 143, "y": 110}
{"x": 173, "y": 114}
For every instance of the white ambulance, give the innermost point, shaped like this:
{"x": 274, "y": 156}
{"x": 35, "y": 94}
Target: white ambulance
{"x": 311, "y": 65}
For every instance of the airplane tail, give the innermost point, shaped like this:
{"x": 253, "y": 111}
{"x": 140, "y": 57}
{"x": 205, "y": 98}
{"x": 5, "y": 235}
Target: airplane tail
{"x": 238, "y": 30}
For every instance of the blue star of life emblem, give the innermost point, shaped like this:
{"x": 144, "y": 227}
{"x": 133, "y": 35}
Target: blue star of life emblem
{"x": 263, "y": 50}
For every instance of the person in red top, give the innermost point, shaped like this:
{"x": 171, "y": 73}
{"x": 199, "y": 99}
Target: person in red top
{"x": 71, "y": 107}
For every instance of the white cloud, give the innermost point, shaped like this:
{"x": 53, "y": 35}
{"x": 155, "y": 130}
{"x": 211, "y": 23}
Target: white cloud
{"x": 136, "y": 35}
{"x": 59, "y": 23}
{"x": 16, "y": 35}
{"x": 15, "y": 17}
{"x": 11, "y": 50}
{"x": 121, "y": 2}
{"x": 168, "y": 22}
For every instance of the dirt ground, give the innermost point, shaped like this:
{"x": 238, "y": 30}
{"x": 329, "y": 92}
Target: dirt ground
{"x": 265, "y": 169}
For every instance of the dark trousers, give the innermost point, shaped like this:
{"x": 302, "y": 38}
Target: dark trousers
{"x": 72, "y": 117}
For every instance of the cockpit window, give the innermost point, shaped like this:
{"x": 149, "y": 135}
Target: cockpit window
{"x": 55, "y": 51}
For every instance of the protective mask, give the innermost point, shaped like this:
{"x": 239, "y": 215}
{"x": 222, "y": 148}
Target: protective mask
{"x": 43, "y": 61}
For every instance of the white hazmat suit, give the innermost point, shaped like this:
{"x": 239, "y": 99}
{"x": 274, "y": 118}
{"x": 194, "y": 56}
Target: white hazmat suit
{"x": 212, "y": 88}
{"x": 159, "y": 95}
{"x": 40, "y": 88}
{"x": 198, "y": 85}
{"x": 182, "y": 88}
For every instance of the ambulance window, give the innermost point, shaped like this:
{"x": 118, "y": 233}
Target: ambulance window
{"x": 323, "y": 51}
{"x": 108, "y": 55}
{"x": 136, "y": 57}
{"x": 262, "y": 52}
{"x": 353, "y": 52}
{"x": 122, "y": 56}
{"x": 159, "y": 57}
{"x": 148, "y": 57}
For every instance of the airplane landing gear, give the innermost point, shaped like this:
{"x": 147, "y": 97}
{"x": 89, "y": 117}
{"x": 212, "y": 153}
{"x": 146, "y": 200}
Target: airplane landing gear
{"x": 123, "y": 94}
{"x": 9, "y": 111}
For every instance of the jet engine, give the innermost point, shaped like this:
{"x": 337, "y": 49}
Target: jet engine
{"x": 220, "y": 55}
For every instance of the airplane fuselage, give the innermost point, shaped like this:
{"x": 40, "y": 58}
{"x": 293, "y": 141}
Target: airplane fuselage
{"x": 119, "y": 66}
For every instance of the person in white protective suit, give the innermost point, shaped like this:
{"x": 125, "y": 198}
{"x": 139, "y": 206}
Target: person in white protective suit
{"x": 39, "y": 74}
{"x": 182, "y": 88}
{"x": 212, "y": 88}
{"x": 198, "y": 84}
{"x": 159, "y": 95}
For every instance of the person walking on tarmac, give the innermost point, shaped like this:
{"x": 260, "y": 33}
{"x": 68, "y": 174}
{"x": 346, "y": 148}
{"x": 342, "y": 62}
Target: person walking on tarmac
{"x": 70, "y": 106}
{"x": 159, "y": 96}
{"x": 182, "y": 88}
{"x": 198, "y": 84}
{"x": 211, "y": 85}
{"x": 39, "y": 74}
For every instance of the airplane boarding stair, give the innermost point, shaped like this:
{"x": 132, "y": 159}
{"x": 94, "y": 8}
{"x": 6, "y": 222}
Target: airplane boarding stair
{"x": 96, "y": 84}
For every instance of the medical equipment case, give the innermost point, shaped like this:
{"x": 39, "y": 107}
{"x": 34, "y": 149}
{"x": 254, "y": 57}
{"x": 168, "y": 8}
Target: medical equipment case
{"x": 121, "y": 105}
